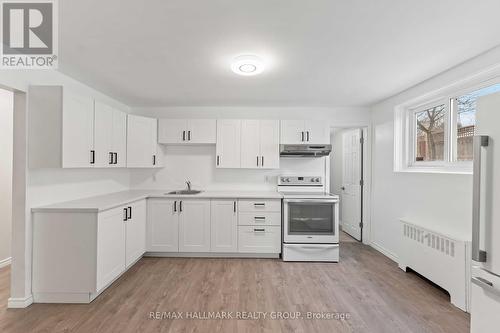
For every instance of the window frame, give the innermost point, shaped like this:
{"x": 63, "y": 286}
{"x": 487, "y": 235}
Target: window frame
{"x": 405, "y": 126}
{"x": 412, "y": 134}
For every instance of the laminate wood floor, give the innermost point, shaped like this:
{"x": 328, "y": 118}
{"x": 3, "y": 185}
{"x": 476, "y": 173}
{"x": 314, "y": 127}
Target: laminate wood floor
{"x": 367, "y": 290}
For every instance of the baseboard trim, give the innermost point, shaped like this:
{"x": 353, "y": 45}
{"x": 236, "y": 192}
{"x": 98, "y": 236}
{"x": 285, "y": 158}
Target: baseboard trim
{"x": 211, "y": 255}
{"x": 5, "y": 262}
{"x": 384, "y": 251}
{"x": 19, "y": 303}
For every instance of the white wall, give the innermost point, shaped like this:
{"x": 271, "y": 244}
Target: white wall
{"x": 442, "y": 200}
{"x": 197, "y": 163}
{"x": 6, "y": 137}
{"x": 49, "y": 185}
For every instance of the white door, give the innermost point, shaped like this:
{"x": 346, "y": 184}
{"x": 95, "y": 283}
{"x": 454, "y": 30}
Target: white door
{"x": 269, "y": 144}
{"x": 163, "y": 225}
{"x": 250, "y": 144}
{"x": 78, "y": 131}
{"x": 119, "y": 138}
{"x": 172, "y": 130}
{"x": 351, "y": 186}
{"x": 110, "y": 246}
{"x": 135, "y": 232}
{"x": 140, "y": 144}
{"x": 485, "y": 296}
{"x": 224, "y": 226}
{"x": 202, "y": 131}
{"x": 194, "y": 226}
{"x": 292, "y": 132}
{"x": 228, "y": 143}
{"x": 317, "y": 132}
{"x": 103, "y": 134}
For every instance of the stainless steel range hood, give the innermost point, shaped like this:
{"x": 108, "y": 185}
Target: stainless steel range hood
{"x": 305, "y": 150}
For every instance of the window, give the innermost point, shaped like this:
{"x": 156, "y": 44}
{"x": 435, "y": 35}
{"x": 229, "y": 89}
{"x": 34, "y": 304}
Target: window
{"x": 430, "y": 133}
{"x": 438, "y": 136}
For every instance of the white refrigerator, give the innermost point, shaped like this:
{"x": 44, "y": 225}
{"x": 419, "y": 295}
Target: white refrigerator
{"x": 485, "y": 286}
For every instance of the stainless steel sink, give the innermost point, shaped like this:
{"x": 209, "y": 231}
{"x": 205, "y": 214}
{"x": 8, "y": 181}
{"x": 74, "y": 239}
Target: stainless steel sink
{"x": 184, "y": 192}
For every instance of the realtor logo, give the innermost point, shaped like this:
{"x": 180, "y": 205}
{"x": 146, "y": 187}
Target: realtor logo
{"x": 29, "y": 34}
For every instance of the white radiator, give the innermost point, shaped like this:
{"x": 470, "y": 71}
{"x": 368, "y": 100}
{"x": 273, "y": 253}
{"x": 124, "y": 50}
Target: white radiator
{"x": 443, "y": 259}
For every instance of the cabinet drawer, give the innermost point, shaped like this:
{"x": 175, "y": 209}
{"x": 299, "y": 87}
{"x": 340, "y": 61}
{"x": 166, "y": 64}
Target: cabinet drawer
{"x": 259, "y": 239}
{"x": 259, "y": 218}
{"x": 255, "y": 205}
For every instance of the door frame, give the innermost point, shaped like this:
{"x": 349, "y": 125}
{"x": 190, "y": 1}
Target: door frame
{"x": 366, "y": 193}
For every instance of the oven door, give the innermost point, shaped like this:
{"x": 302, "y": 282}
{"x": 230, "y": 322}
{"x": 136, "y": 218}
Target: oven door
{"x": 311, "y": 221}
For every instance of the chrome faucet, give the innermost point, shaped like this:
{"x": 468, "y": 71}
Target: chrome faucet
{"x": 188, "y": 183}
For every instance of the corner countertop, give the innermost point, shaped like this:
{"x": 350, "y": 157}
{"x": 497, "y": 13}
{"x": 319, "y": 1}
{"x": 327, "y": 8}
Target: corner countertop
{"x": 108, "y": 201}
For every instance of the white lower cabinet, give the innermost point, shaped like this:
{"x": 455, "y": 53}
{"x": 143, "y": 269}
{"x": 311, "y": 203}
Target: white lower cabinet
{"x": 110, "y": 246}
{"x": 77, "y": 254}
{"x": 178, "y": 225}
{"x": 214, "y": 226}
{"x": 135, "y": 231}
{"x": 163, "y": 226}
{"x": 194, "y": 225}
{"x": 259, "y": 239}
{"x": 224, "y": 226}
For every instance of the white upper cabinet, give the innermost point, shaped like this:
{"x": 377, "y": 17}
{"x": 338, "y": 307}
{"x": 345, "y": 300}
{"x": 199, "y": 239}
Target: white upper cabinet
{"x": 78, "y": 131}
{"x": 317, "y": 132}
{"x": 250, "y": 144}
{"x": 110, "y": 136}
{"x": 305, "y": 132}
{"x": 228, "y": 149}
{"x": 187, "y": 131}
{"x": 60, "y": 128}
{"x": 260, "y": 144}
{"x": 142, "y": 145}
{"x": 292, "y": 132}
{"x": 270, "y": 144}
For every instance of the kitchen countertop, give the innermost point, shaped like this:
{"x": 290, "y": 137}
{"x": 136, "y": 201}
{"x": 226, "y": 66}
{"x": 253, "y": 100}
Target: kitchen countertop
{"x": 108, "y": 201}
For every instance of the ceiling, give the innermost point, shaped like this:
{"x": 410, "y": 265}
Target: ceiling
{"x": 320, "y": 52}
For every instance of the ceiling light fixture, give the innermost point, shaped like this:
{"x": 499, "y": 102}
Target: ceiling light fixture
{"x": 247, "y": 65}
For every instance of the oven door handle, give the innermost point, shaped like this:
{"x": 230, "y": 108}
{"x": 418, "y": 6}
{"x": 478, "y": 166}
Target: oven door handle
{"x": 332, "y": 200}
{"x": 313, "y": 247}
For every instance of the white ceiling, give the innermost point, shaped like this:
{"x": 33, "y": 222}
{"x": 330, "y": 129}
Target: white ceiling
{"x": 321, "y": 52}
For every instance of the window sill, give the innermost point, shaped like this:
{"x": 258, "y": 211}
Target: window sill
{"x": 439, "y": 170}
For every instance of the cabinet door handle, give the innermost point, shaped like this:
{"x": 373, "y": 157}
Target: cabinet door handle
{"x": 116, "y": 158}
{"x": 218, "y": 160}
{"x": 189, "y": 135}
{"x": 259, "y": 217}
{"x": 302, "y": 136}
{"x": 129, "y": 213}
{"x": 110, "y": 158}
{"x": 234, "y": 206}
{"x": 154, "y": 159}
{"x": 183, "y": 135}
{"x": 257, "y": 160}
{"x": 175, "y": 206}
{"x": 125, "y": 214}
{"x": 92, "y": 157}
{"x": 259, "y": 230}
{"x": 307, "y": 136}
{"x": 180, "y": 206}
{"x": 262, "y": 160}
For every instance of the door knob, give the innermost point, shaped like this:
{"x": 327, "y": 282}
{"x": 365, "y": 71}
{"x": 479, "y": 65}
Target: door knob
{"x": 342, "y": 188}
